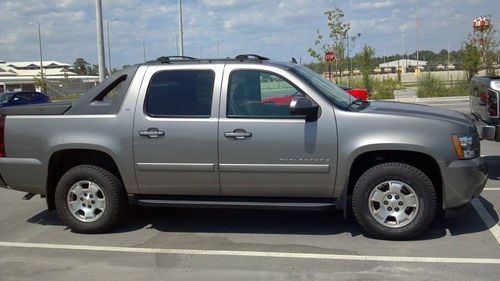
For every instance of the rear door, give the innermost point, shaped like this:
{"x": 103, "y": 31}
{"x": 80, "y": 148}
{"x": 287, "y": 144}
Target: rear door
{"x": 264, "y": 151}
{"x": 175, "y": 130}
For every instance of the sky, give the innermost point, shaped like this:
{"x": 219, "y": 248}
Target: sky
{"x": 280, "y": 29}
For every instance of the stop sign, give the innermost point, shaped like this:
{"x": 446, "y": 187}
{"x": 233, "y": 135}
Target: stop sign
{"x": 330, "y": 57}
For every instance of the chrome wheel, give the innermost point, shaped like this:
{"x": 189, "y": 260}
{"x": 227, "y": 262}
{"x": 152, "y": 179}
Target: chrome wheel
{"x": 86, "y": 201}
{"x": 393, "y": 204}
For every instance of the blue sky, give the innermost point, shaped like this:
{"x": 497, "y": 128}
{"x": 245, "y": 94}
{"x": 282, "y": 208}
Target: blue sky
{"x": 280, "y": 29}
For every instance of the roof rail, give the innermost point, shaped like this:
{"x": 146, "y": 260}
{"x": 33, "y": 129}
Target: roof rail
{"x": 173, "y": 58}
{"x": 249, "y": 56}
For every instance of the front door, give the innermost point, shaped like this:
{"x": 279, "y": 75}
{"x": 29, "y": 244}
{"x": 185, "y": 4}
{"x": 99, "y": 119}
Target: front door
{"x": 264, "y": 150}
{"x": 175, "y": 131}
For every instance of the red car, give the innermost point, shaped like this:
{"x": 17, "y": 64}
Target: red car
{"x": 357, "y": 93}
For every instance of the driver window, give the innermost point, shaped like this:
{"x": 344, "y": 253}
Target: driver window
{"x": 255, "y": 93}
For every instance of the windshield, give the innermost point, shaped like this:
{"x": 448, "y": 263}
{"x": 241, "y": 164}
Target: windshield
{"x": 5, "y": 97}
{"x": 329, "y": 90}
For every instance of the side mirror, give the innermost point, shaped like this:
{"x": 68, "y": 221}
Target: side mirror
{"x": 304, "y": 106}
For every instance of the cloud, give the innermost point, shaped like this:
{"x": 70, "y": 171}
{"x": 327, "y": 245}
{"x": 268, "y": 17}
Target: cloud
{"x": 280, "y": 29}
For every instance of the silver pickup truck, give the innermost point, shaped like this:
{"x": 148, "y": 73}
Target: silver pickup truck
{"x": 243, "y": 132}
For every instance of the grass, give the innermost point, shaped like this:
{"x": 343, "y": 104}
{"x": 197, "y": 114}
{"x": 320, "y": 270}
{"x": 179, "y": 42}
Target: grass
{"x": 429, "y": 86}
{"x": 66, "y": 98}
{"x": 381, "y": 89}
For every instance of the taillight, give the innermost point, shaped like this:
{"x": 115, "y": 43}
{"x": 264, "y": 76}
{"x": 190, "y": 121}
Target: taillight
{"x": 2, "y": 135}
{"x": 492, "y": 104}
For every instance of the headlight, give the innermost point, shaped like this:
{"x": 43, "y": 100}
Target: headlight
{"x": 466, "y": 146}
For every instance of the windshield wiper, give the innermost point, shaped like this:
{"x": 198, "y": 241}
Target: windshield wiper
{"x": 357, "y": 101}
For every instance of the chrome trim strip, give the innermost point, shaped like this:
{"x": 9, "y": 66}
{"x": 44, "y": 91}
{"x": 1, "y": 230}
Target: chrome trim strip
{"x": 283, "y": 168}
{"x": 202, "y": 167}
{"x": 20, "y": 161}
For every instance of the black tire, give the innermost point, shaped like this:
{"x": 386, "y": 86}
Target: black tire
{"x": 112, "y": 188}
{"x": 413, "y": 177}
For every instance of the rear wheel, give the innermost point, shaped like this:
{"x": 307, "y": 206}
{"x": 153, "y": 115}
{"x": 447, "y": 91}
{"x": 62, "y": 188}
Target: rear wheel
{"x": 394, "y": 201}
{"x": 90, "y": 199}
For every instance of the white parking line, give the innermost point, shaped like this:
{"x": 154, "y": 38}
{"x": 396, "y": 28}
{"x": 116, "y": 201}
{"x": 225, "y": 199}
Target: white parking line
{"x": 491, "y": 189}
{"x": 487, "y": 219}
{"x": 251, "y": 253}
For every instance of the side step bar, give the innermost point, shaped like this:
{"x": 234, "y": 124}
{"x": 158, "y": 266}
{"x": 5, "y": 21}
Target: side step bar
{"x": 288, "y": 205}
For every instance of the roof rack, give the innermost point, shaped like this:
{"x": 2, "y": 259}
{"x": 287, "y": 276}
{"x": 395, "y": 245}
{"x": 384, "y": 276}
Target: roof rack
{"x": 173, "y": 58}
{"x": 250, "y": 56}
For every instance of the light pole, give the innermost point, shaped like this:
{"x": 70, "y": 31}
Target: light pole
{"x": 100, "y": 41}
{"x": 181, "y": 31}
{"x": 40, "y": 46}
{"x": 199, "y": 49}
{"x": 109, "y": 44}
{"x": 222, "y": 41}
{"x": 143, "y": 48}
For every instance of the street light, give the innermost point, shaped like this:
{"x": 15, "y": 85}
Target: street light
{"x": 40, "y": 46}
{"x": 181, "y": 31}
{"x": 222, "y": 41}
{"x": 199, "y": 49}
{"x": 109, "y": 44}
{"x": 100, "y": 41}
{"x": 143, "y": 48}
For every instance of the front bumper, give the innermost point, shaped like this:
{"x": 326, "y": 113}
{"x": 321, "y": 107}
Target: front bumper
{"x": 462, "y": 181}
{"x": 486, "y": 131}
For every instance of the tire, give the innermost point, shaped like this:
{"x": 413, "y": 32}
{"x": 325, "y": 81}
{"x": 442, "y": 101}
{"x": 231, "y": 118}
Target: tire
{"x": 90, "y": 199}
{"x": 375, "y": 200}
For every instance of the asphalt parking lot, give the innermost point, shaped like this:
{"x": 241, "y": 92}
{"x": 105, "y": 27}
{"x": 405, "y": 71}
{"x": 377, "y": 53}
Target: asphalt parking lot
{"x": 228, "y": 244}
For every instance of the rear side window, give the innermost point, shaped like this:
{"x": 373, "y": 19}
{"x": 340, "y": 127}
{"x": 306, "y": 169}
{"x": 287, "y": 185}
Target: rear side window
{"x": 180, "y": 93}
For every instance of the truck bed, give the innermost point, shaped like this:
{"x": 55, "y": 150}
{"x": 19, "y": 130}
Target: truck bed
{"x": 56, "y": 108}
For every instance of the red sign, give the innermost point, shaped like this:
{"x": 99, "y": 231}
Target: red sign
{"x": 330, "y": 57}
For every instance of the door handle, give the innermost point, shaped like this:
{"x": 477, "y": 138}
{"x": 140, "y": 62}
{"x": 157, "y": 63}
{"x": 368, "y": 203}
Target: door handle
{"x": 152, "y": 133}
{"x": 238, "y": 134}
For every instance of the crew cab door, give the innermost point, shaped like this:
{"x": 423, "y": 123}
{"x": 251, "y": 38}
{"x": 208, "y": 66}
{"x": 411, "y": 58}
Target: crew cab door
{"x": 264, "y": 150}
{"x": 175, "y": 130}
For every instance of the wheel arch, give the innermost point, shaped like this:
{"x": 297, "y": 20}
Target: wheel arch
{"x": 62, "y": 160}
{"x": 425, "y": 162}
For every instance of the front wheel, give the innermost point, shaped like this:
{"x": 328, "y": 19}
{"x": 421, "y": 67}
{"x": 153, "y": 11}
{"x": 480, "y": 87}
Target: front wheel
{"x": 90, "y": 199}
{"x": 394, "y": 201}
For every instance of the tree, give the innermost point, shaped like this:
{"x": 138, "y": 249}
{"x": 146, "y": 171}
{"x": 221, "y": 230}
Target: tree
{"x": 40, "y": 82}
{"x": 338, "y": 40}
{"x": 365, "y": 62}
{"x": 471, "y": 59}
{"x": 81, "y": 66}
{"x": 485, "y": 45}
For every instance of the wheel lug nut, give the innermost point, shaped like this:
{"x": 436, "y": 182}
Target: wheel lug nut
{"x": 93, "y": 202}
{"x": 396, "y": 209}
{"x": 389, "y": 209}
{"x": 397, "y": 197}
{"x": 81, "y": 199}
{"x": 90, "y": 206}
{"x": 385, "y": 202}
{"x": 400, "y": 203}
{"x": 389, "y": 196}
{"x": 85, "y": 194}
{"x": 83, "y": 205}
{"x": 91, "y": 196}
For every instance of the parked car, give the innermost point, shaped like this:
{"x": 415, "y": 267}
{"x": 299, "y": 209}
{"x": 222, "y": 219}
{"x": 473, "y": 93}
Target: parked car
{"x": 285, "y": 100}
{"x": 357, "y": 93}
{"x": 485, "y": 106}
{"x": 22, "y": 98}
{"x": 194, "y": 132}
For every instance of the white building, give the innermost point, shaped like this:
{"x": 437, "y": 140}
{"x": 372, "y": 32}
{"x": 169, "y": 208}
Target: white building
{"x": 404, "y": 63}
{"x": 19, "y": 75}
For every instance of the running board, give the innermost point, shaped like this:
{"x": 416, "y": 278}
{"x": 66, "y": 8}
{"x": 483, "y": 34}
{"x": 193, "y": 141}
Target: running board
{"x": 288, "y": 205}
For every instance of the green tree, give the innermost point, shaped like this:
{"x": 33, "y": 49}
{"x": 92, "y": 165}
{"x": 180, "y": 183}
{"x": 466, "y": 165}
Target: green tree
{"x": 337, "y": 41}
{"x": 471, "y": 59}
{"x": 81, "y": 66}
{"x": 40, "y": 82}
{"x": 365, "y": 62}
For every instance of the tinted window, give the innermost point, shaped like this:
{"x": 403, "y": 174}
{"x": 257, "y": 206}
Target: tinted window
{"x": 258, "y": 93}
{"x": 180, "y": 93}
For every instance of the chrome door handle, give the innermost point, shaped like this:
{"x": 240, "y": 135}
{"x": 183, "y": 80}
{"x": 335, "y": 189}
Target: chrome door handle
{"x": 152, "y": 133}
{"x": 238, "y": 134}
